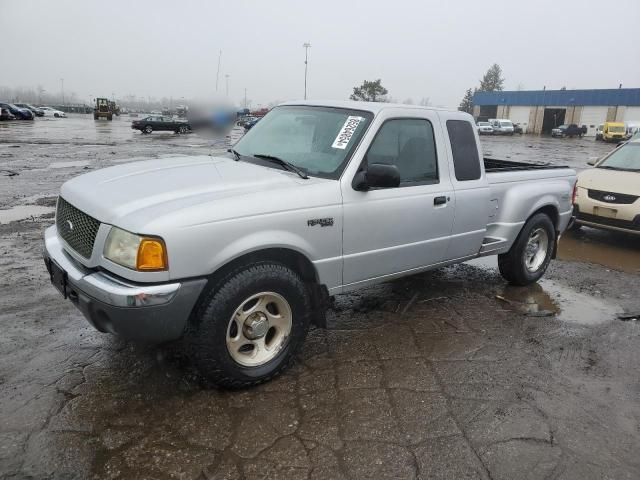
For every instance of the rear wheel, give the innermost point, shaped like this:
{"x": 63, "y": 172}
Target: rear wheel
{"x": 250, "y": 326}
{"x": 529, "y": 256}
{"x": 182, "y": 129}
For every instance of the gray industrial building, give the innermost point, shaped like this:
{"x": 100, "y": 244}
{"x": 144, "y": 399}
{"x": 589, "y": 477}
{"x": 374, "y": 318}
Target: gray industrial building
{"x": 538, "y": 111}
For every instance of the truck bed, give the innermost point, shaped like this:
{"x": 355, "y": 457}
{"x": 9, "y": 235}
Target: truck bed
{"x": 495, "y": 165}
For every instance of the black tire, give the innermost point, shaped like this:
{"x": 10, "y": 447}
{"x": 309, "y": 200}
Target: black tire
{"x": 182, "y": 129}
{"x": 207, "y": 335}
{"x": 148, "y": 129}
{"x": 56, "y": 115}
{"x": 512, "y": 264}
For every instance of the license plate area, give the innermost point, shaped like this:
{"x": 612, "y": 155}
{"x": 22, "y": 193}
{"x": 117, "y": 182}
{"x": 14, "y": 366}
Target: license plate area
{"x": 605, "y": 212}
{"x": 58, "y": 277}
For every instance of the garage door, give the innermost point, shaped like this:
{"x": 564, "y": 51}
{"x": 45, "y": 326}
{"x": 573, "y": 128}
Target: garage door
{"x": 632, "y": 115}
{"x": 592, "y": 117}
{"x": 520, "y": 115}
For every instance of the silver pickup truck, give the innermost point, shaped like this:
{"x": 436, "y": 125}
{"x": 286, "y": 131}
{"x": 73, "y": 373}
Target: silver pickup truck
{"x": 239, "y": 253}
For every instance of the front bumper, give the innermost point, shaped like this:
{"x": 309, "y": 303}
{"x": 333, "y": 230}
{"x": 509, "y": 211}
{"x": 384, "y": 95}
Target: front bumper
{"x": 148, "y": 312}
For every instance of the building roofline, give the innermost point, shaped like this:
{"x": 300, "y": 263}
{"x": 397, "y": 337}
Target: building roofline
{"x": 595, "y": 97}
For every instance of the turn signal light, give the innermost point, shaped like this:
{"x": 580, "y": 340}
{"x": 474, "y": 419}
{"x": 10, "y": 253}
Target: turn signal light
{"x": 152, "y": 255}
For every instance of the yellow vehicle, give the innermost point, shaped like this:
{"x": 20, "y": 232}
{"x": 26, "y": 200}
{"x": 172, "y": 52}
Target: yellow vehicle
{"x": 613, "y": 131}
{"x": 608, "y": 196}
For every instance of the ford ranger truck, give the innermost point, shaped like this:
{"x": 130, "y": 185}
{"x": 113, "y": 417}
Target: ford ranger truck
{"x": 238, "y": 253}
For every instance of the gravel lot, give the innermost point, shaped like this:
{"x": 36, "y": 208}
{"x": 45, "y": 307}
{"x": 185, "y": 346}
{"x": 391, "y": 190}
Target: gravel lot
{"x": 448, "y": 374}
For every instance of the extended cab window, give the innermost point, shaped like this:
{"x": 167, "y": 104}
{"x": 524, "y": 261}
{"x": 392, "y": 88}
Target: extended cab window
{"x": 466, "y": 162}
{"x": 408, "y": 144}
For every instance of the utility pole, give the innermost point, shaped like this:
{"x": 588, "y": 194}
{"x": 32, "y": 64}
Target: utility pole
{"x": 245, "y": 98}
{"x": 306, "y": 47}
{"x": 227, "y": 77}
{"x": 218, "y": 72}
{"x": 62, "y": 88}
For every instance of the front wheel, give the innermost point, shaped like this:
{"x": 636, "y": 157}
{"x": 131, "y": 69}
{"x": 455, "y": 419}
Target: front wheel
{"x": 182, "y": 129}
{"x": 529, "y": 256}
{"x": 148, "y": 129}
{"x": 250, "y": 326}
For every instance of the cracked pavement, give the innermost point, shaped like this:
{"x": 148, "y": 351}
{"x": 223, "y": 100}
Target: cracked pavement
{"x": 447, "y": 374}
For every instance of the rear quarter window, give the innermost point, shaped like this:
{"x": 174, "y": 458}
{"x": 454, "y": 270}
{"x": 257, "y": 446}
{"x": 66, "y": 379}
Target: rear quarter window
{"x": 466, "y": 161}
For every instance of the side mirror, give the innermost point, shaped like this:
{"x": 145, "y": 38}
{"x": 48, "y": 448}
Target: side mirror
{"x": 591, "y": 162}
{"x": 377, "y": 175}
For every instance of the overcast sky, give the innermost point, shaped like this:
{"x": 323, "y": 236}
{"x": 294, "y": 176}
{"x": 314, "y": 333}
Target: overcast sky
{"x": 420, "y": 49}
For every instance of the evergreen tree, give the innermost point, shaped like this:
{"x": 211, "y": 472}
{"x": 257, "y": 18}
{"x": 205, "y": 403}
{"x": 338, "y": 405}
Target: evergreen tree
{"x": 466, "y": 105}
{"x": 492, "y": 80}
{"x": 369, "y": 92}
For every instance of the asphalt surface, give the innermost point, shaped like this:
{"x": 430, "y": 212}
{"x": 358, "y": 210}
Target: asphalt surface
{"x": 449, "y": 374}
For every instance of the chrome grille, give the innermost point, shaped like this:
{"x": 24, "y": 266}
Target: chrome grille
{"x": 76, "y": 228}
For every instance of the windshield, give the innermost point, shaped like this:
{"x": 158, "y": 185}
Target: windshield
{"x": 627, "y": 157}
{"x": 563, "y": 127}
{"x": 317, "y": 140}
{"x": 483, "y": 124}
{"x": 506, "y": 124}
{"x": 616, "y": 129}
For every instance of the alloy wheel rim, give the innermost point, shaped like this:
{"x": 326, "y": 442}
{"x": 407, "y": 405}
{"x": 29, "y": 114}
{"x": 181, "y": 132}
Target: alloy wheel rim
{"x": 535, "y": 252}
{"x": 259, "y": 329}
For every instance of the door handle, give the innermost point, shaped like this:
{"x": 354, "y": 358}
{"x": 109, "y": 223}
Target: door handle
{"x": 440, "y": 200}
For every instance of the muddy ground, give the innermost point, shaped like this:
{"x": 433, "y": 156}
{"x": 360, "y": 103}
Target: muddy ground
{"x": 448, "y": 374}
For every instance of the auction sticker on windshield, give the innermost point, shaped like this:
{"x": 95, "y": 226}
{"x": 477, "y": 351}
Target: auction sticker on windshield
{"x": 346, "y": 132}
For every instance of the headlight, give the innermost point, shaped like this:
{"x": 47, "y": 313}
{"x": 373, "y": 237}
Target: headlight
{"x": 134, "y": 251}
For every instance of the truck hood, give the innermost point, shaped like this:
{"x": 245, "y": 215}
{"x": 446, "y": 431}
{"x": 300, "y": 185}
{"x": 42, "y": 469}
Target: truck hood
{"x": 615, "y": 181}
{"x": 140, "y": 195}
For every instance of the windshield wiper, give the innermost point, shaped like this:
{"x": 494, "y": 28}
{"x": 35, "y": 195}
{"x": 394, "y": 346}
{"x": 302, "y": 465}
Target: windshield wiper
{"x": 235, "y": 153}
{"x": 287, "y": 166}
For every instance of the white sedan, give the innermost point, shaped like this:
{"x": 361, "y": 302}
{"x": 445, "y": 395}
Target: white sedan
{"x": 52, "y": 112}
{"x": 484, "y": 128}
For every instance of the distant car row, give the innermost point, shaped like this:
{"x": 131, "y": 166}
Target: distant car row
{"x": 25, "y": 111}
{"x": 498, "y": 126}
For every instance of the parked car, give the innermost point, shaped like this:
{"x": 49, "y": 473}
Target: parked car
{"x": 5, "y": 114}
{"x": 240, "y": 253}
{"x": 242, "y": 121}
{"x": 19, "y": 113}
{"x": 613, "y": 132}
{"x": 251, "y": 123}
{"x": 631, "y": 129}
{"x": 161, "y": 123}
{"x": 36, "y": 111}
{"x": 501, "y": 126}
{"x": 484, "y": 128}
{"x": 608, "y": 196}
{"x": 52, "y": 112}
{"x": 571, "y": 130}
{"x": 599, "y": 130}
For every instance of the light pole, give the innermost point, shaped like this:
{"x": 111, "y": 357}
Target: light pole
{"x": 306, "y": 47}
{"x": 218, "y": 71}
{"x": 62, "y": 88}
{"x": 245, "y": 98}
{"x": 227, "y": 78}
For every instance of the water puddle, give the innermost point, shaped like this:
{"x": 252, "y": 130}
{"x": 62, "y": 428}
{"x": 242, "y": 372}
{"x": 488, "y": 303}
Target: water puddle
{"x": 616, "y": 251}
{"x": 23, "y": 212}
{"x": 548, "y": 298}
